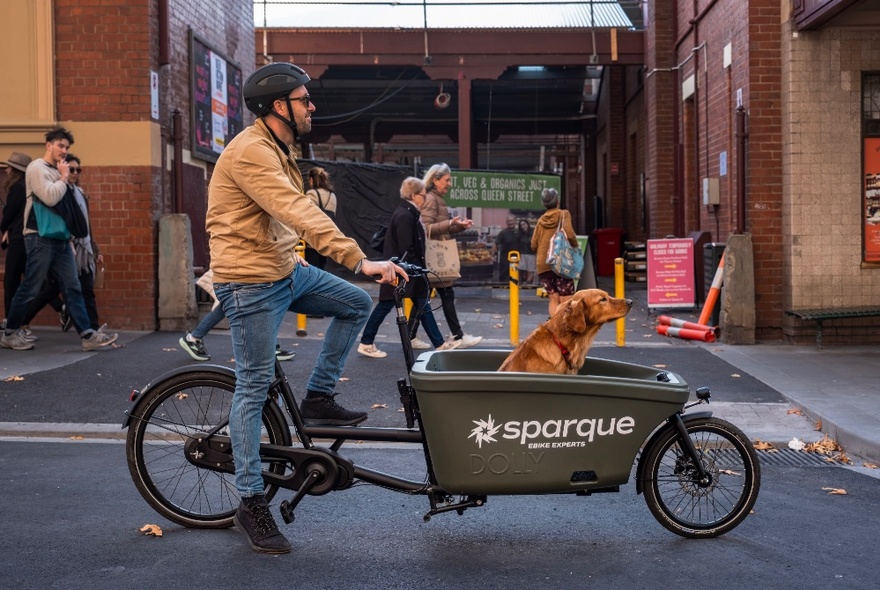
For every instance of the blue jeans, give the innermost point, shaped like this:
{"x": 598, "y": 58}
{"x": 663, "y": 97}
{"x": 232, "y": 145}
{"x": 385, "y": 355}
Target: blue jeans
{"x": 48, "y": 258}
{"x": 208, "y": 322}
{"x": 419, "y": 305}
{"x": 255, "y": 312}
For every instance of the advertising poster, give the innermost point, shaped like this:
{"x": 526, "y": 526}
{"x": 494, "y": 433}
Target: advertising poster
{"x": 872, "y": 199}
{"x": 671, "y": 273}
{"x": 216, "y": 100}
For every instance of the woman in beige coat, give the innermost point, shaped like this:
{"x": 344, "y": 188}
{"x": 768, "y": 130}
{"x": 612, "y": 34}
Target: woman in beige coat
{"x": 559, "y": 289}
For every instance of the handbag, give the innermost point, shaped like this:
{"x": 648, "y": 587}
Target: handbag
{"x": 61, "y": 221}
{"x": 564, "y": 260}
{"x": 441, "y": 258}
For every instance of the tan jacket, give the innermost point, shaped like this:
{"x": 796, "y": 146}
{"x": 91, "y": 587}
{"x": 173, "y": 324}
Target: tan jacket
{"x": 257, "y": 212}
{"x": 547, "y": 225}
{"x": 435, "y": 216}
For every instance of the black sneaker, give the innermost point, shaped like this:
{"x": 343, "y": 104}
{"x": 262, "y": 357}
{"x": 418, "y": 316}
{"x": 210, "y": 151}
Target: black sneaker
{"x": 283, "y": 355}
{"x": 325, "y": 411}
{"x": 65, "y": 319}
{"x": 194, "y": 346}
{"x": 254, "y": 520}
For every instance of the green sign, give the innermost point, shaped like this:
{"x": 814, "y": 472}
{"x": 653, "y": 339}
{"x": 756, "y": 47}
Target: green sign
{"x": 499, "y": 190}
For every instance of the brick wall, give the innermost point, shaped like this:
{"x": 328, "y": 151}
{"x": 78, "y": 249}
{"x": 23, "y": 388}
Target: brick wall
{"x": 823, "y": 184}
{"x": 660, "y": 92}
{"x": 707, "y": 130}
{"x": 104, "y": 52}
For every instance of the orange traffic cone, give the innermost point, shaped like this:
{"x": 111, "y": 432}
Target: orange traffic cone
{"x": 704, "y": 335}
{"x": 670, "y": 321}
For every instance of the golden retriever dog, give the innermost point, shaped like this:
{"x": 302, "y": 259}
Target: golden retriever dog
{"x": 560, "y": 344}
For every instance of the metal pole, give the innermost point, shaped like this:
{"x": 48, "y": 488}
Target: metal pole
{"x": 513, "y": 259}
{"x": 301, "y": 320}
{"x": 619, "y": 292}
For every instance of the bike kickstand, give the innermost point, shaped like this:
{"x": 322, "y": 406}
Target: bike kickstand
{"x": 288, "y": 506}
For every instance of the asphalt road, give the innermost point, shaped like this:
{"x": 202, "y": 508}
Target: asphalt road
{"x": 71, "y": 516}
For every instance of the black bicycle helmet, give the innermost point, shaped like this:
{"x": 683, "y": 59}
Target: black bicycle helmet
{"x": 269, "y": 83}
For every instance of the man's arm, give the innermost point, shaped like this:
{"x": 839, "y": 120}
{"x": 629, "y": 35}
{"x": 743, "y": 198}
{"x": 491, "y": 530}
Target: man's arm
{"x": 41, "y": 181}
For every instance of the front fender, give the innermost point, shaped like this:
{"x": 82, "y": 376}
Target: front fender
{"x": 137, "y": 397}
{"x": 640, "y": 469}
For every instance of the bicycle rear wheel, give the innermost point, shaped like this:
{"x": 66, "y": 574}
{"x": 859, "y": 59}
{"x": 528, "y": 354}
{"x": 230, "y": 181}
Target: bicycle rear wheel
{"x": 186, "y": 406}
{"x": 693, "y": 508}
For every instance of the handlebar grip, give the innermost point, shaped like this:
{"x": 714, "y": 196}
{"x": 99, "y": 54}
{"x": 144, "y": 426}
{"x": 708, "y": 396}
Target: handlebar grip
{"x": 413, "y": 270}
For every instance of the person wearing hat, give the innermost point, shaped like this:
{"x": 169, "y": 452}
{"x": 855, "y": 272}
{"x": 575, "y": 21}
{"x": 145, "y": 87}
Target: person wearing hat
{"x": 257, "y": 213}
{"x": 11, "y": 238}
{"x": 559, "y": 289}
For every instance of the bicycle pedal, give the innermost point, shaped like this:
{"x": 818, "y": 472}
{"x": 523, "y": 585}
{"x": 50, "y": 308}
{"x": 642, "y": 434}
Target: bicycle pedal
{"x": 287, "y": 512}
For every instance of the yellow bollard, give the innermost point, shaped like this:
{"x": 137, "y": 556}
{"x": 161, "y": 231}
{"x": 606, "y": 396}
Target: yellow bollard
{"x": 301, "y": 320}
{"x": 513, "y": 259}
{"x": 618, "y": 292}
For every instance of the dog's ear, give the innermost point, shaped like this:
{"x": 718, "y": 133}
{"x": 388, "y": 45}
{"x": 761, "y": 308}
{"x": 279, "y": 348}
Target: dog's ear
{"x": 576, "y": 320}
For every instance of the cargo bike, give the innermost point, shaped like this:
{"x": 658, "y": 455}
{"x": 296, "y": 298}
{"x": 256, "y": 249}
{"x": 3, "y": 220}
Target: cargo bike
{"x": 482, "y": 433}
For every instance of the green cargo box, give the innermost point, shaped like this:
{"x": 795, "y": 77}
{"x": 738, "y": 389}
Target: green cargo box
{"x": 530, "y": 433}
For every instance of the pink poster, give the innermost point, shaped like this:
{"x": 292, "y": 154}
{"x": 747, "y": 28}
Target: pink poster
{"x": 671, "y": 273}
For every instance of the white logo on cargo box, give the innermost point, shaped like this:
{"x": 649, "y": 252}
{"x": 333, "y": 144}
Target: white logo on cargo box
{"x": 529, "y": 431}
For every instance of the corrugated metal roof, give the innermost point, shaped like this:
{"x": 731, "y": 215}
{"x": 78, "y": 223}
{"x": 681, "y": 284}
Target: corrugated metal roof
{"x": 439, "y": 14}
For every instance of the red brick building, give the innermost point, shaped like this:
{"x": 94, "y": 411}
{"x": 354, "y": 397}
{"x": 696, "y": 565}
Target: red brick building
{"x": 795, "y": 179}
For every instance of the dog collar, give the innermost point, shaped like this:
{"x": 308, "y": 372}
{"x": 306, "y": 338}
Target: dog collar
{"x": 561, "y": 346}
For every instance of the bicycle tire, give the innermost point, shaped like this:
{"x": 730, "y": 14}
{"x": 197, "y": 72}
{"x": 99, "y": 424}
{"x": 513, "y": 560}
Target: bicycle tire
{"x": 678, "y": 500}
{"x": 172, "y": 412}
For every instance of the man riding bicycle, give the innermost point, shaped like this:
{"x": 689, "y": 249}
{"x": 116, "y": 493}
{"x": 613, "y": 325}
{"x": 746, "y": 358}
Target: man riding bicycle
{"x": 257, "y": 212}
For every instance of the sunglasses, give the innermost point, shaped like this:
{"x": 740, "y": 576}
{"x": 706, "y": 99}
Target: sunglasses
{"x": 74, "y": 170}
{"x": 306, "y": 100}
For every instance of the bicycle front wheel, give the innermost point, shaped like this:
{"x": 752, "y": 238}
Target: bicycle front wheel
{"x": 174, "y": 412}
{"x": 693, "y": 507}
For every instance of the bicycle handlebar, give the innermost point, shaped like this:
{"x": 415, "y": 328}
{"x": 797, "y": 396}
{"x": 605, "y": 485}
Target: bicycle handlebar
{"x": 414, "y": 271}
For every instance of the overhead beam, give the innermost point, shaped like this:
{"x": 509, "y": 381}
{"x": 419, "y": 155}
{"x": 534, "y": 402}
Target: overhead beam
{"x": 485, "y": 54}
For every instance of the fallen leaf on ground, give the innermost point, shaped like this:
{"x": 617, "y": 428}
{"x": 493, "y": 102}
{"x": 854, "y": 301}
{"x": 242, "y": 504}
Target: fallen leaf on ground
{"x": 151, "y": 529}
{"x": 761, "y": 445}
{"x": 659, "y": 366}
{"x": 477, "y": 310}
{"x": 841, "y": 457}
{"x": 869, "y": 465}
{"x": 795, "y": 411}
{"x": 499, "y": 325}
{"x": 345, "y": 378}
{"x": 13, "y": 378}
{"x": 182, "y": 396}
{"x": 77, "y": 437}
{"x": 320, "y": 333}
{"x": 401, "y": 410}
{"x": 818, "y": 426}
{"x": 826, "y": 446}
{"x": 378, "y": 406}
{"x": 835, "y": 491}
{"x": 529, "y": 312}
{"x": 796, "y": 444}
{"x": 169, "y": 349}
{"x": 497, "y": 316}
{"x": 729, "y": 472}
{"x": 735, "y": 375}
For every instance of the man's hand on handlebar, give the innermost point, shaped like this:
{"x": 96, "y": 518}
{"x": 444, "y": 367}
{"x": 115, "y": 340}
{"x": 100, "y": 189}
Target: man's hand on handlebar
{"x": 383, "y": 271}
